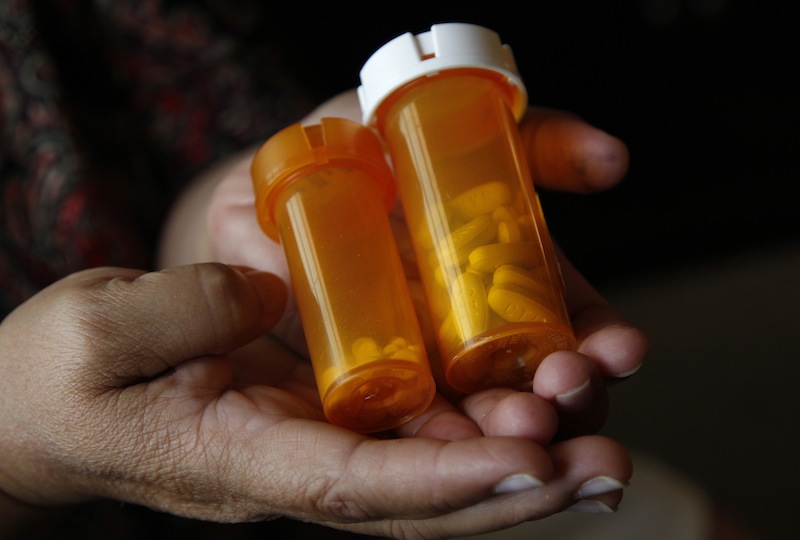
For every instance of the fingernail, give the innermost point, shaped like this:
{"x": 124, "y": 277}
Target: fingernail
{"x": 628, "y": 373}
{"x": 605, "y": 155}
{"x": 598, "y": 486}
{"x": 576, "y": 396}
{"x": 517, "y": 482}
{"x": 591, "y": 507}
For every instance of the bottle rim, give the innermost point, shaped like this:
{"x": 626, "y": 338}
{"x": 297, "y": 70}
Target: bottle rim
{"x": 297, "y": 150}
{"x": 445, "y": 46}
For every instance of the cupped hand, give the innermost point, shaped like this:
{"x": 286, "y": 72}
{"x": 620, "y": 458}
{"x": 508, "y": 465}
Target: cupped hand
{"x": 565, "y": 154}
{"x": 153, "y": 388}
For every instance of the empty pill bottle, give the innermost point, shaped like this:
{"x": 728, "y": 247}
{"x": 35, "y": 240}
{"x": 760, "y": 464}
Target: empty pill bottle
{"x": 447, "y": 103}
{"x": 324, "y": 192}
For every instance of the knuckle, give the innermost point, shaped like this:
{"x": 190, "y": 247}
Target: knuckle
{"x": 217, "y": 281}
{"x": 339, "y": 505}
{"x": 224, "y": 295}
{"x": 347, "y": 510}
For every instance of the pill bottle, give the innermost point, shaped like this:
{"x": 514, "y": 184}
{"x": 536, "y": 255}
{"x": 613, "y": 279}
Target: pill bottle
{"x": 324, "y": 192}
{"x": 447, "y": 102}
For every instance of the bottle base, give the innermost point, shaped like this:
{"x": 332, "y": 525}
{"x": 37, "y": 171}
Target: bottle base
{"x": 508, "y": 359}
{"x": 379, "y": 396}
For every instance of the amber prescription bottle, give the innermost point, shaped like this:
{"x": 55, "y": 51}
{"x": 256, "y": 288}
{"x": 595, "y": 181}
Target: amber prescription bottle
{"x": 447, "y": 103}
{"x": 324, "y": 192}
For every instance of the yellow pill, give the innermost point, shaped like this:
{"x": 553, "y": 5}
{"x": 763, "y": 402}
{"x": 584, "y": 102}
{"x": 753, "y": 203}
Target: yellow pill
{"x": 480, "y": 200}
{"x": 438, "y": 298}
{"x": 365, "y": 349}
{"x": 508, "y": 232}
{"x": 514, "y": 305}
{"x": 470, "y": 309}
{"x": 507, "y": 227}
{"x": 409, "y": 353}
{"x": 488, "y": 258}
{"x": 470, "y": 269}
{"x": 503, "y": 213}
{"x": 454, "y": 249}
{"x": 448, "y": 335}
{"x": 527, "y": 227}
{"x": 397, "y": 344}
{"x": 509, "y": 275}
{"x": 440, "y": 304}
{"x": 445, "y": 276}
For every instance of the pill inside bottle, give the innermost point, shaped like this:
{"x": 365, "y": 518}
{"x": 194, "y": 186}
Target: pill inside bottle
{"x": 324, "y": 192}
{"x": 447, "y": 103}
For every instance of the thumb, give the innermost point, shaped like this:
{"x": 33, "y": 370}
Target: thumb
{"x": 150, "y": 322}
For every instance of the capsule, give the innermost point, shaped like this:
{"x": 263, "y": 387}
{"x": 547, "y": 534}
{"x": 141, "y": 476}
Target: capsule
{"x": 480, "y": 200}
{"x": 488, "y": 257}
{"x": 456, "y": 248}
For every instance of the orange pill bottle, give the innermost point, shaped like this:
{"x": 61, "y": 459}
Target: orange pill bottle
{"x": 324, "y": 192}
{"x": 447, "y": 103}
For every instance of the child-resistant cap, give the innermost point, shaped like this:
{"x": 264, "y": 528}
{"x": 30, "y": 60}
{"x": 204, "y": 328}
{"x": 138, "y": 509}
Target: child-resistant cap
{"x": 446, "y": 46}
{"x": 298, "y": 150}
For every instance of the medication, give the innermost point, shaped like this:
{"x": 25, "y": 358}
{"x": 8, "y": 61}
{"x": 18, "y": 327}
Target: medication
{"x": 480, "y": 200}
{"x": 324, "y": 193}
{"x": 446, "y": 103}
{"x": 456, "y": 248}
{"x": 470, "y": 304}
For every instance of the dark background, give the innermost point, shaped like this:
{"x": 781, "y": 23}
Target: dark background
{"x": 701, "y": 90}
{"x": 700, "y": 245}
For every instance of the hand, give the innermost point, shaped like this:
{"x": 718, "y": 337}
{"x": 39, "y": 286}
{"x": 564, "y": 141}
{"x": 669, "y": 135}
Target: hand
{"x": 566, "y": 154}
{"x": 153, "y": 388}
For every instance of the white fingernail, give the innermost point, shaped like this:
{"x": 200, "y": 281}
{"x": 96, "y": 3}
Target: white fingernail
{"x": 598, "y": 486}
{"x": 628, "y": 373}
{"x": 570, "y": 397}
{"x": 590, "y": 507}
{"x": 517, "y": 482}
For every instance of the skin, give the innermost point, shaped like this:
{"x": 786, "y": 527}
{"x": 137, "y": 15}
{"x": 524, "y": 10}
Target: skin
{"x": 186, "y": 389}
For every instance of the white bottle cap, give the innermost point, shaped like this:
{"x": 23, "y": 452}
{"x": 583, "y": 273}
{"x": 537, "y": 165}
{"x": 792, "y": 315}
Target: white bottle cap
{"x": 446, "y": 46}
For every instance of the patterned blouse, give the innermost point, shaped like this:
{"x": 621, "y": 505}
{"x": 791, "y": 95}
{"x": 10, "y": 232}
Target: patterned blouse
{"x": 107, "y": 109}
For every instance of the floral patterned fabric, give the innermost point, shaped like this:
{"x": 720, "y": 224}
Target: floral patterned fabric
{"x": 107, "y": 109}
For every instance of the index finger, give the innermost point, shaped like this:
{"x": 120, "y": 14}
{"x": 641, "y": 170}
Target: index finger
{"x": 568, "y": 154}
